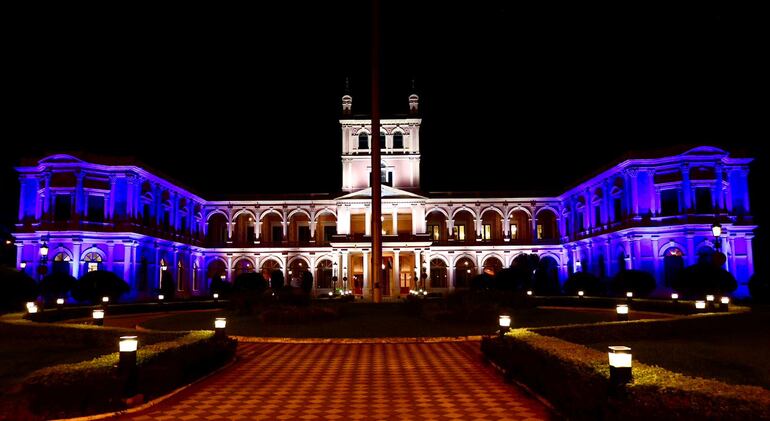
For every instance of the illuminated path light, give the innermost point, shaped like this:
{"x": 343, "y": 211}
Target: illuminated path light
{"x": 448, "y": 370}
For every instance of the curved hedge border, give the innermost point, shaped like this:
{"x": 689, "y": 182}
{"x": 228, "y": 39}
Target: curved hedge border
{"x": 576, "y": 380}
{"x": 75, "y": 312}
{"x": 94, "y": 386}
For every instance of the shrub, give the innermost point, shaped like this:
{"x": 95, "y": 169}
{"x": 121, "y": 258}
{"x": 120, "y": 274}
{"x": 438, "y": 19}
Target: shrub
{"x": 482, "y": 281}
{"x": 17, "y": 289}
{"x": 510, "y": 279}
{"x": 307, "y": 282}
{"x": 217, "y": 285}
{"x": 94, "y": 285}
{"x": 250, "y": 281}
{"x": 759, "y": 288}
{"x": 56, "y": 285}
{"x": 276, "y": 280}
{"x": 641, "y": 283}
{"x": 584, "y": 281}
{"x": 704, "y": 278}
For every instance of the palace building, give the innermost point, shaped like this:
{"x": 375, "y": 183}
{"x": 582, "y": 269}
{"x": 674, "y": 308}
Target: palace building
{"x": 653, "y": 214}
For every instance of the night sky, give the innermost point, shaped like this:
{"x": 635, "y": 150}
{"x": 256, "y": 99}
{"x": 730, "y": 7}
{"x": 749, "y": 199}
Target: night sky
{"x": 512, "y": 99}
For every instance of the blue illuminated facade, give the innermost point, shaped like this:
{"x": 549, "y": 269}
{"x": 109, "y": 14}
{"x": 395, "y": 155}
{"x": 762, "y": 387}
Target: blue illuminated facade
{"x": 649, "y": 214}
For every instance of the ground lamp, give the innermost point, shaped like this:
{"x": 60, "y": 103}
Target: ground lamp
{"x": 23, "y": 265}
{"x": 674, "y": 297}
{"x": 622, "y": 311}
{"x": 219, "y": 327}
{"x": 127, "y": 364}
{"x": 724, "y": 303}
{"x": 98, "y": 316}
{"x": 629, "y": 295}
{"x": 505, "y": 324}
{"x": 161, "y": 297}
{"x": 216, "y": 296}
{"x": 31, "y": 307}
{"x": 529, "y": 292}
{"x": 700, "y": 306}
{"x": 620, "y": 365}
{"x": 581, "y": 294}
{"x": 31, "y": 304}
{"x": 60, "y": 303}
{"x": 710, "y": 302}
{"x": 105, "y": 300}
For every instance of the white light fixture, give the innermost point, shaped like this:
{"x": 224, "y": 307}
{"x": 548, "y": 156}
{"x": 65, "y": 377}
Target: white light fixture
{"x": 622, "y": 312}
{"x": 724, "y": 300}
{"x": 31, "y": 304}
{"x": 60, "y": 301}
{"x": 629, "y": 294}
{"x": 44, "y": 250}
{"x": 674, "y": 296}
{"x": 716, "y": 229}
{"x": 331, "y": 293}
{"x": 32, "y": 309}
{"x": 105, "y": 299}
{"x": 710, "y": 298}
{"x": 581, "y": 294}
{"x": 219, "y": 327}
{"x": 215, "y": 295}
{"x": 222, "y": 277}
{"x": 23, "y": 265}
{"x": 620, "y": 365}
{"x": 98, "y": 316}
{"x": 128, "y": 343}
{"x": 161, "y": 297}
{"x": 529, "y": 292}
{"x": 220, "y": 323}
{"x": 505, "y": 323}
{"x": 700, "y": 305}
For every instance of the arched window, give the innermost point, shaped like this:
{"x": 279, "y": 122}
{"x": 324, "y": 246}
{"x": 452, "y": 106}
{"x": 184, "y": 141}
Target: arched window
{"x": 363, "y": 141}
{"x": 61, "y": 263}
{"x": 93, "y": 261}
{"x": 438, "y": 274}
{"x": 195, "y": 285}
{"x": 398, "y": 140}
{"x": 179, "y": 276}
{"x": 324, "y": 274}
{"x": 465, "y": 269}
{"x": 492, "y": 265}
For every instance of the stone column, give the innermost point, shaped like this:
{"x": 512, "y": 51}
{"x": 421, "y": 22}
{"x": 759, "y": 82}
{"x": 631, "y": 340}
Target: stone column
{"x": 76, "y": 246}
{"x": 417, "y": 264}
{"x": 110, "y": 250}
{"x": 450, "y": 223}
{"x": 686, "y": 188}
{"x": 656, "y": 262}
{"x": 367, "y": 284}
{"x": 368, "y": 220}
{"x": 394, "y": 217}
{"x": 396, "y": 285}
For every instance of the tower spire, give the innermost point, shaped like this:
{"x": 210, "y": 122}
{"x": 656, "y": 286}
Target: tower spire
{"x": 414, "y": 101}
{"x": 347, "y": 100}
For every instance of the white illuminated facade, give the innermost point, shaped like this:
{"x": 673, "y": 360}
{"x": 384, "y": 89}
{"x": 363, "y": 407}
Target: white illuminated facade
{"x": 649, "y": 214}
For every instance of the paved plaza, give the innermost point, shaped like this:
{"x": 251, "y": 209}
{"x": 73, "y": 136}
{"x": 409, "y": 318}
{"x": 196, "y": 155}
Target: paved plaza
{"x": 406, "y": 381}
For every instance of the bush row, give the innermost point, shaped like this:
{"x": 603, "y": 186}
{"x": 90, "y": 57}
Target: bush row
{"x": 576, "y": 380}
{"x": 640, "y": 304}
{"x": 74, "y": 312}
{"x": 95, "y": 386}
{"x": 647, "y": 329}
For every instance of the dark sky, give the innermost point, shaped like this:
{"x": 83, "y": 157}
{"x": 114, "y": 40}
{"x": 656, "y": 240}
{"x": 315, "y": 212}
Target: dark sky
{"x": 247, "y": 101}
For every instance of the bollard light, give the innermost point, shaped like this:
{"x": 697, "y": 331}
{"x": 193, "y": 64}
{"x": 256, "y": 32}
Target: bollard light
{"x": 105, "y": 299}
{"x": 620, "y": 365}
{"x": 216, "y": 296}
{"x": 622, "y": 311}
{"x": 674, "y": 297}
{"x": 710, "y": 298}
{"x": 98, "y": 316}
{"x": 629, "y": 294}
{"x": 505, "y": 323}
{"x": 161, "y": 297}
{"x": 31, "y": 304}
{"x": 219, "y": 327}
{"x": 127, "y": 364}
{"x": 60, "y": 301}
{"x": 581, "y": 294}
{"x": 529, "y": 292}
{"x": 23, "y": 265}
{"x": 700, "y": 306}
{"x": 724, "y": 303}
{"x": 32, "y": 309}
{"x": 331, "y": 293}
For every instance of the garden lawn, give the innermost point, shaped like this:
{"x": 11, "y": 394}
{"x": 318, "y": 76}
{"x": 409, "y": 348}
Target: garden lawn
{"x": 364, "y": 320}
{"x": 737, "y": 356}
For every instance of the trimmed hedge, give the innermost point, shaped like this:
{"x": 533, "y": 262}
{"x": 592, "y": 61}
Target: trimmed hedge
{"x": 95, "y": 386}
{"x": 640, "y": 304}
{"x": 76, "y": 312}
{"x": 576, "y": 380}
{"x": 644, "y": 329}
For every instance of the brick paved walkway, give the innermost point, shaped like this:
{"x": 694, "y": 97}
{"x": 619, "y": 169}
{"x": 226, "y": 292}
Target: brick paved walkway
{"x": 433, "y": 381}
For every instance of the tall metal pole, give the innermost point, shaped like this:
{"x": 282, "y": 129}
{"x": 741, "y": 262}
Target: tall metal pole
{"x": 376, "y": 176}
